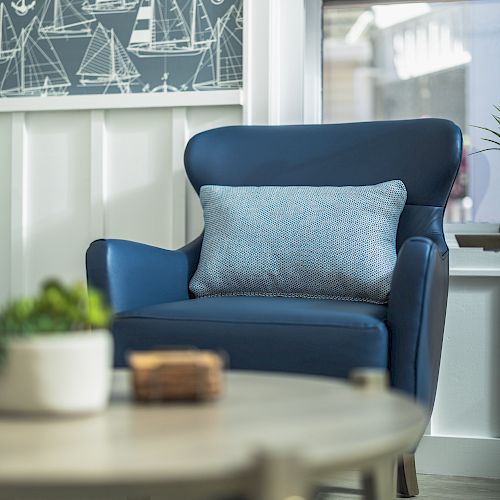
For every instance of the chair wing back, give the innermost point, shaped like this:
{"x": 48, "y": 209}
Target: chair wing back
{"x": 425, "y": 154}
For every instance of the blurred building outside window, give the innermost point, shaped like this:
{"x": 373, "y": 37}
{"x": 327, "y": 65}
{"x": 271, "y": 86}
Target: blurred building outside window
{"x": 414, "y": 60}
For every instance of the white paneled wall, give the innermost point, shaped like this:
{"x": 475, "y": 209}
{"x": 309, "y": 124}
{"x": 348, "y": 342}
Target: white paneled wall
{"x": 69, "y": 177}
{"x": 471, "y": 350}
{"x": 5, "y": 205}
{"x": 138, "y": 175}
{"x": 56, "y": 213}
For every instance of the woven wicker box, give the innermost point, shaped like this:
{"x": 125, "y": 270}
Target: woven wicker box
{"x": 176, "y": 375}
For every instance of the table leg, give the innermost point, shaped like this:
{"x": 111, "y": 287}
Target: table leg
{"x": 379, "y": 481}
{"x": 280, "y": 476}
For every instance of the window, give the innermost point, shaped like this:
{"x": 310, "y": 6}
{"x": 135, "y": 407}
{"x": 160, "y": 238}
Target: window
{"x": 409, "y": 60}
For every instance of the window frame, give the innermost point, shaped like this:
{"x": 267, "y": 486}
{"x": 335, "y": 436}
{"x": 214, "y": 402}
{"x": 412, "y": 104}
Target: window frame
{"x": 314, "y": 52}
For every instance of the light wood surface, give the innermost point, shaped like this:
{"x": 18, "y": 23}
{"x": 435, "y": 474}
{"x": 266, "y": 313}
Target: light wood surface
{"x": 330, "y": 425}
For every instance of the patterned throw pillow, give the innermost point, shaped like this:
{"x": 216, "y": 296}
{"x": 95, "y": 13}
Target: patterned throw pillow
{"x": 300, "y": 241}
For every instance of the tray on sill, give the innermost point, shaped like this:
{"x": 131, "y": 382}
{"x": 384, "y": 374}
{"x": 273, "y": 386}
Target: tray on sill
{"x": 488, "y": 242}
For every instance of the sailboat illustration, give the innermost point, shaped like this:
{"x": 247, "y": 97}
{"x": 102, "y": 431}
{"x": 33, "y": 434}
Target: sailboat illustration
{"x": 108, "y": 6}
{"x": 62, "y": 19}
{"x": 35, "y": 69}
{"x": 221, "y": 66}
{"x": 239, "y": 16}
{"x": 163, "y": 88}
{"x": 161, "y": 28}
{"x": 106, "y": 62}
{"x": 22, "y": 8}
{"x": 8, "y": 38}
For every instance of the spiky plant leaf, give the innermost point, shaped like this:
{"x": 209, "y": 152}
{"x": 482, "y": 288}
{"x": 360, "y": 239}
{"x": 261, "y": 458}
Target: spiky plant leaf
{"x": 491, "y": 131}
{"x": 487, "y": 130}
{"x": 490, "y": 140}
{"x": 487, "y": 149}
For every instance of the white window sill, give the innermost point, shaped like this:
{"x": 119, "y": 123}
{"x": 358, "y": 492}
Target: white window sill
{"x": 117, "y": 101}
{"x": 472, "y": 262}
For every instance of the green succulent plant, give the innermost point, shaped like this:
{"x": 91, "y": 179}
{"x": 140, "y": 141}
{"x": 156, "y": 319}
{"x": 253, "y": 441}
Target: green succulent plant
{"x": 495, "y": 133}
{"x": 57, "y": 308}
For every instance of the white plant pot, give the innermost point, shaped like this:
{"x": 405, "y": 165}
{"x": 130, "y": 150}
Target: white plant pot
{"x": 63, "y": 373}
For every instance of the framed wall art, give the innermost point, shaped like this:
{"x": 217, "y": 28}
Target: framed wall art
{"x": 95, "y": 47}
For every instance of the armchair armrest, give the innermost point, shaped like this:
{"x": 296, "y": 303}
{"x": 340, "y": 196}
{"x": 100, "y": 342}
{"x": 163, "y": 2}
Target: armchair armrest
{"x": 133, "y": 275}
{"x": 416, "y": 316}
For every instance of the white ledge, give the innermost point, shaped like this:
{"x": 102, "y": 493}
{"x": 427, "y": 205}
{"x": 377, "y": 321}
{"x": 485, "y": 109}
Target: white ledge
{"x": 474, "y": 262}
{"x": 475, "y": 272}
{"x": 120, "y": 101}
{"x": 459, "y": 456}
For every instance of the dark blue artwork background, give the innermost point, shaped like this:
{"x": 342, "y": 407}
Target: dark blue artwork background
{"x": 180, "y": 69}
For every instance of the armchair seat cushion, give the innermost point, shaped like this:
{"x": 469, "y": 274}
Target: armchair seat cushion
{"x": 322, "y": 337}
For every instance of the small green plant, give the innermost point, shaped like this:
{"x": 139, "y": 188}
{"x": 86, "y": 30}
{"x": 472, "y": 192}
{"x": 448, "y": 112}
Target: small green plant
{"x": 495, "y": 133}
{"x": 57, "y": 308}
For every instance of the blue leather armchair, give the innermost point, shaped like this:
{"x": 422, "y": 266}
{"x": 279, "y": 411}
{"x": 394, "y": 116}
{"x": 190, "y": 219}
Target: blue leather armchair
{"x": 148, "y": 287}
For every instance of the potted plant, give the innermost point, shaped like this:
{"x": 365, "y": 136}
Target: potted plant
{"x": 55, "y": 351}
{"x": 488, "y": 241}
{"x": 495, "y": 134}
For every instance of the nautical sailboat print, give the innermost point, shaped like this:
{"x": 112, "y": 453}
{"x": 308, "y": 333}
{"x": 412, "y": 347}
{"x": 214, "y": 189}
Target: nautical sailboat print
{"x": 22, "y": 8}
{"x": 108, "y": 6}
{"x": 58, "y": 47}
{"x": 161, "y": 28}
{"x": 239, "y": 16}
{"x": 35, "y": 69}
{"x": 8, "y": 38}
{"x": 221, "y": 66}
{"x": 62, "y": 19}
{"x": 163, "y": 88}
{"x": 106, "y": 63}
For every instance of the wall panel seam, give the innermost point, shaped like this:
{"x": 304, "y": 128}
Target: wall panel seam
{"x": 97, "y": 170}
{"x": 18, "y": 209}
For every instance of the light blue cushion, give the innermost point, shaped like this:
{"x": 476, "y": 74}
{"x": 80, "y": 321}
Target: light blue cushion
{"x": 299, "y": 241}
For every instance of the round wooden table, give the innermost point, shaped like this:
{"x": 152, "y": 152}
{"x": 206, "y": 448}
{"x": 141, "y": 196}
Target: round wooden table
{"x": 271, "y": 437}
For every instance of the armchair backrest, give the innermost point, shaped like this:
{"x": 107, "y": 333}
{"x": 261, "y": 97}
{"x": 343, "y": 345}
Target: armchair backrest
{"x": 425, "y": 154}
